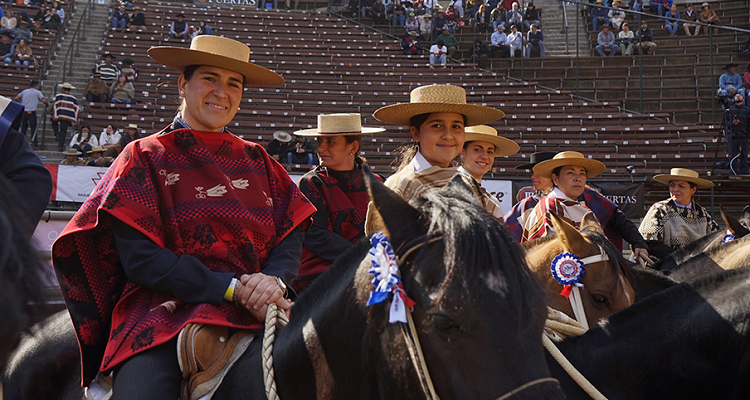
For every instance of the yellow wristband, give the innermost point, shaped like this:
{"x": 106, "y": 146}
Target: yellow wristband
{"x": 229, "y": 294}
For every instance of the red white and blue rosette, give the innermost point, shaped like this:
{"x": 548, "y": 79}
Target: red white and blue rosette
{"x": 387, "y": 281}
{"x": 727, "y": 238}
{"x": 567, "y": 269}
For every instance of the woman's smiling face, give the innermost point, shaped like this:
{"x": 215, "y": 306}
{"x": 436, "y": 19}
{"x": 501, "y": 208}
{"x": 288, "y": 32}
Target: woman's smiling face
{"x": 440, "y": 138}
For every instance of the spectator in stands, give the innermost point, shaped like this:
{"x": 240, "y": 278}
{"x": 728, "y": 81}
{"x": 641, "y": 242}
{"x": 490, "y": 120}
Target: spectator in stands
{"x": 658, "y": 6}
{"x": 481, "y": 146}
{"x": 202, "y": 29}
{"x": 746, "y": 78}
{"x": 411, "y": 44}
{"x": 708, "y": 16}
{"x": 411, "y": 24}
{"x": 137, "y": 18}
{"x": 289, "y": 4}
{"x": 599, "y": 16}
{"x": 84, "y": 141}
{"x": 531, "y": 17}
{"x": 730, "y": 82}
{"x": 459, "y": 6}
{"x": 51, "y": 19}
{"x": 635, "y": 5}
{"x": 498, "y": 17}
{"x": 122, "y": 91}
{"x": 98, "y": 159}
{"x": 425, "y": 27}
{"x": 399, "y": 17}
{"x": 8, "y": 23}
{"x": 23, "y": 55}
{"x": 278, "y": 147}
{"x": 96, "y": 89}
{"x": 482, "y": 19}
{"x": 569, "y": 171}
{"x": 71, "y": 157}
{"x": 691, "y": 16}
{"x": 678, "y": 221}
{"x": 616, "y": 16}
{"x": 626, "y": 39}
{"x": 644, "y": 38}
{"x": 133, "y": 134}
{"x": 107, "y": 69}
{"x": 606, "y": 41}
{"x": 378, "y": 12}
{"x": 438, "y": 53}
{"x": 449, "y": 41}
{"x": 737, "y": 125}
{"x": 179, "y": 29}
{"x": 534, "y": 40}
{"x": 479, "y": 53}
{"x": 452, "y": 17}
{"x": 22, "y": 32}
{"x": 515, "y": 17}
{"x": 497, "y": 41}
{"x": 301, "y": 151}
{"x": 514, "y": 41}
{"x": 7, "y": 49}
{"x": 366, "y": 9}
{"x": 64, "y": 113}
{"x": 57, "y": 8}
{"x": 109, "y": 140}
{"x": 129, "y": 70}
{"x": 438, "y": 23}
{"x": 671, "y": 26}
{"x": 30, "y": 98}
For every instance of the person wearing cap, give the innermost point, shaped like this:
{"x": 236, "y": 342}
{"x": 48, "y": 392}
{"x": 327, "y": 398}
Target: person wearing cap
{"x": 97, "y": 158}
{"x": 497, "y": 42}
{"x": 71, "y": 157}
{"x": 7, "y": 48}
{"x": 129, "y": 70}
{"x": 514, "y": 41}
{"x": 30, "y": 98}
{"x": 481, "y": 145}
{"x": 616, "y": 16}
{"x": 737, "y": 123}
{"x": 410, "y": 24}
{"x": 96, "y": 89}
{"x": 515, "y": 17}
{"x": 449, "y": 41}
{"x": 599, "y": 16}
{"x": 606, "y": 41}
{"x": 730, "y": 82}
{"x": 569, "y": 172}
{"x": 137, "y": 18}
{"x": 120, "y": 18}
{"x": 535, "y": 40}
{"x": 645, "y": 38}
{"x": 436, "y": 117}
{"x": 178, "y": 29}
{"x": 531, "y": 16}
{"x": 708, "y": 16}
{"x": 189, "y": 225}
{"x": 337, "y": 190}
{"x": 692, "y": 16}
{"x": 515, "y": 218}
{"x": 678, "y": 221}
{"x": 64, "y": 113}
{"x": 626, "y": 38}
{"x": 107, "y": 70}
{"x": 278, "y": 147}
{"x": 84, "y": 141}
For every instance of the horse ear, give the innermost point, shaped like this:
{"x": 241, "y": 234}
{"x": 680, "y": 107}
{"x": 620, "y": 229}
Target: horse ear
{"x": 745, "y": 213}
{"x": 567, "y": 233}
{"x": 733, "y": 224}
{"x": 400, "y": 218}
{"x": 589, "y": 222}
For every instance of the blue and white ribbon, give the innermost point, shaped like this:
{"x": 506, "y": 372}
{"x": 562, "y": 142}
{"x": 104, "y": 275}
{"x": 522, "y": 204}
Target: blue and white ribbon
{"x": 387, "y": 281}
{"x": 567, "y": 269}
{"x": 728, "y": 238}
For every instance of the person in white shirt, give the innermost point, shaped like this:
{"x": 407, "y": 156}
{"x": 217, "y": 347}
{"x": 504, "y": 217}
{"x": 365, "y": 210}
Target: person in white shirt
{"x": 616, "y": 17}
{"x": 627, "y": 39}
{"x": 514, "y": 41}
{"x": 438, "y": 53}
{"x": 109, "y": 140}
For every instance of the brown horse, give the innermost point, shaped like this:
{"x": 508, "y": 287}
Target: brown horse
{"x": 607, "y": 284}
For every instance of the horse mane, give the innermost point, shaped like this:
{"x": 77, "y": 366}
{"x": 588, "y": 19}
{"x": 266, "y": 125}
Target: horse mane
{"x": 538, "y": 241}
{"x": 615, "y": 257}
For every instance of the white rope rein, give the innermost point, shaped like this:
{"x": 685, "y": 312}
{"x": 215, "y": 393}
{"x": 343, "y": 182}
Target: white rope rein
{"x": 275, "y": 319}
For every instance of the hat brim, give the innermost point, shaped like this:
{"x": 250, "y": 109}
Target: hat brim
{"x": 401, "y": 114}
{"x": 700, "y": 182}
{"x": 526, "y": 166}
{"x": 503, "y": 146}
{"x": 593, "y": 167}
{"x": 314, "y": 132}
{"x": 179, "y": 58}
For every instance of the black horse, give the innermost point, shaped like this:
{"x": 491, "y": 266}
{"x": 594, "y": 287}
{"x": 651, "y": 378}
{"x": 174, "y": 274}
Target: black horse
{"x": 479, "y": 315}
{"x": 690, "y": 341}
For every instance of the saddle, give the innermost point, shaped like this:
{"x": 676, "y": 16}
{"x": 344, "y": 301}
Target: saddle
{"x": 205, "y": 354}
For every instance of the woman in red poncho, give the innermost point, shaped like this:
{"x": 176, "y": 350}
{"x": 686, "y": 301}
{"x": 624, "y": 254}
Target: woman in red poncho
{"x": 190, "y": 225}
{"x": 338, "y": 191}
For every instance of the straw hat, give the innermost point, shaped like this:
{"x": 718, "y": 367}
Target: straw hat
{"x": 72, "y": 152}
{"x": 437, "y": 98}
{"x": 216, "y": 51}
{"x": 338, "y": 125}
{"x": 66, "y": 85}
{"x": 97, "y": 149}
{"x": 484, "y": 133}
{"x": 134, "y": 126}
{"x": 593, "y": 167}
{"x": 705, "y": 5}
{"x": 683, "y": 174}
{"x": 282, "y": 136}
{"x": 536, "y": 158}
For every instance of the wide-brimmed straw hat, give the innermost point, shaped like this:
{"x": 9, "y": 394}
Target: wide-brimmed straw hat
{"x": 66, "y": 85}
{"x": 282, "y": 136}
{"x": 134, "y": 126}
{"x": 683, "y": 174}
{"x": 705, "y": 5}
{"x": 593, "y": 167}
{"x": 338, "y": 125}
{"x": 437, "y": 99}
{"x": 216, "y": 51}
{"x": 536, "y": 158}
{"x": 72, "y": 152}
{"x": 484, "y": 133}
{"x": 97, "y": 149}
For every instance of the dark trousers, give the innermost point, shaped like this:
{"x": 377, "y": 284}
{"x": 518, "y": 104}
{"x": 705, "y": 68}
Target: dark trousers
{"x": 101, "y": 97}
{"x": 61, "y": 131}
{"x": 737, "y": 144}
{"x": 152, "y": 374}
{"x": 29, "y": 121}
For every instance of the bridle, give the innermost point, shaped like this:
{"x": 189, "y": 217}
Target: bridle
{"x": 412, "y": 338}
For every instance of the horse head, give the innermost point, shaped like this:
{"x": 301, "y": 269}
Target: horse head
{"x": 478, "y": 312}
{"x": 607, "y": 284}
{"x": 737, "y": 227}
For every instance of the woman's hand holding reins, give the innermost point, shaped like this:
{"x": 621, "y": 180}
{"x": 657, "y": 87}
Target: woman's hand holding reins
{"x": 259, "y": 290}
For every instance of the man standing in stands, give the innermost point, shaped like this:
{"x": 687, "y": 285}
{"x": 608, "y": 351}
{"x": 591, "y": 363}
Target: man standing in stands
{"x": 644, "y": 38}
{"x": 64, "y": 113}
{"x": 96, "y": 89}
{"x": 107, "y": 70}
{"x": 737, "y": 125}
{"x": 30, "y": 98}
{"x": 179, "y": 28}
{"x": 449, "y": 41}
{"x": 606, "y": 41}
{"x": 534, "y": 40}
